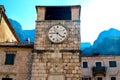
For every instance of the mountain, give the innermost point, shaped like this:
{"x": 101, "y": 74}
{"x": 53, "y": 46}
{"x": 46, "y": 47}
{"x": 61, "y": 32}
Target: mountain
{"x": 25, "y": 34}
{"x": 29, "y": 34}
{"x": 107, "y": 43}
{"x": 107, "y": 33}
{"x": 85, "y": 45}
{"x": 22, "y": 34}
{"x": 18, "y": 29}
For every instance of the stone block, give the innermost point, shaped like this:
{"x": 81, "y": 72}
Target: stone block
{"x": 74, "y": 71}
{"x": 74, "y": 79}
{"x": 68, "y": 78}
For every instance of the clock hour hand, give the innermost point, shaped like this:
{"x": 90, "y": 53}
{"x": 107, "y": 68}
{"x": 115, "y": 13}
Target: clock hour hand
{"x": 60, "y": 35}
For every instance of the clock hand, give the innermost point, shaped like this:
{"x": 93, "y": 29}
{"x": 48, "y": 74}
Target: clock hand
{"x": 52, "y": 33}
{"x": 60, "y": 34}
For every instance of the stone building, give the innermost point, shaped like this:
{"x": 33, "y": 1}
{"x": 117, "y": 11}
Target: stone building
{"x": 54, "y": 55}
{"x": 56, "y": 48}
{"x": 101, "y": 67}
{"x": 14, "y": 55}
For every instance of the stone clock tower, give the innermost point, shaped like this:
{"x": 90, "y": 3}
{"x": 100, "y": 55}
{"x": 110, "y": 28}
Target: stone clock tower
{"x": 56, "y": 54}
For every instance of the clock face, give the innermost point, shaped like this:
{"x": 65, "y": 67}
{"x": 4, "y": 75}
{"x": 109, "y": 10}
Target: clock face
{"x": 57, "y": 33}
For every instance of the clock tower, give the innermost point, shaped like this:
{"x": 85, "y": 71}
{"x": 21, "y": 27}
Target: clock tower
{"x": 56, "y": 54}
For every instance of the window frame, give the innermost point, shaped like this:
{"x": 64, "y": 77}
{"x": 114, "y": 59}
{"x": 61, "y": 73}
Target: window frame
{"x": 10, "y": 58}
{"x": 85, "y": 64}
{"x": 57, "y": 13}
{"x": 86, "y": 78}
{"x": 98, "y": 64}
{"x": 99, "y": 78}
{"x": 113, "y": 78}
{"x": 7, "y": 79}
{"x": 112, "y": 64}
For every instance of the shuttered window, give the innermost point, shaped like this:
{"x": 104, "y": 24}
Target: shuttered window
{"x": 98, "y": 64}
{"x": 113, "y": 78}
{"x": 99, "y": 78}
{"x": 9, "y": 59}
{"x": 112, "y": 64}
{"x": 85, "y": 64}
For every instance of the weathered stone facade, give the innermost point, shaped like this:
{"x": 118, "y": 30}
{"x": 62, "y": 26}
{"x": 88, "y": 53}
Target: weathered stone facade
{"x": 111, "y": 70}
{"x": 15, "y": 56}
{"x": 42, "y": 60}
{"x": 53, "y": 61}
{"x": 60, "y": 64}
{"x": 20, "y": 70}
{"x": 71, "y": 43}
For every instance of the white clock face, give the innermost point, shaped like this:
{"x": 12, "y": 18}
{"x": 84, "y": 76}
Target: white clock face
{"x": 57, "y": 33}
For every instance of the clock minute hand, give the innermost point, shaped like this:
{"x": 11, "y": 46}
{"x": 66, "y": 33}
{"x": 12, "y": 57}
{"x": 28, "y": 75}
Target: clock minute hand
{"x": 52, "y": 33}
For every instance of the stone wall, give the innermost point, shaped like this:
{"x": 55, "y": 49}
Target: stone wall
{"x": 57, "y": 61}
{"x": 71, "y": 43}
{"x": 20, "y": 69}
{"x": 75, "y": 12}
{"x": 110, "y": 71}
{"x": 63, "y": 65}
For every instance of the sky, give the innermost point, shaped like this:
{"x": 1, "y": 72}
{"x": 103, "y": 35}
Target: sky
{"x": 96, "y": 15}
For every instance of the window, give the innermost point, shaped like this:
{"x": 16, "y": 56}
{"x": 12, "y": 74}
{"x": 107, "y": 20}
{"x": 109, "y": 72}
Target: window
{"x": 98, "y": 64}
{"x": 112, "y": 64}
{"x": 113, "y": 78}
{"x": 86, "y": 78}
{"x": 58, "y": 13}
{"x": 99, "y": 78}
{"x": 6, "y": 78}
{"x": 85, "y": 65}
{"x": 9, "y": 59}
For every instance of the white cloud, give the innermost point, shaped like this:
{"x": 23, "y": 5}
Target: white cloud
{"x": 98, "y": 16}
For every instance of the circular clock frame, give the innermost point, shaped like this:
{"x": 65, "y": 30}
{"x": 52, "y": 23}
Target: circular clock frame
{"x": 57, "y": 33}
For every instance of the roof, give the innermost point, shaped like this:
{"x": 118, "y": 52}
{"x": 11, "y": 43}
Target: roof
{"x": 17, "y": 44}
{"x": 9, "y": 24}
{"x": 2, "y": 7}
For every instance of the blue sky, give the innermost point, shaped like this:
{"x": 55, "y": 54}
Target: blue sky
{"x": 24, "y": 10}
{"x": 96, "y": 15}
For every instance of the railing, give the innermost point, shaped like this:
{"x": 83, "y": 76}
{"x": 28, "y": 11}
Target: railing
{"x": 99, "y": 71}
